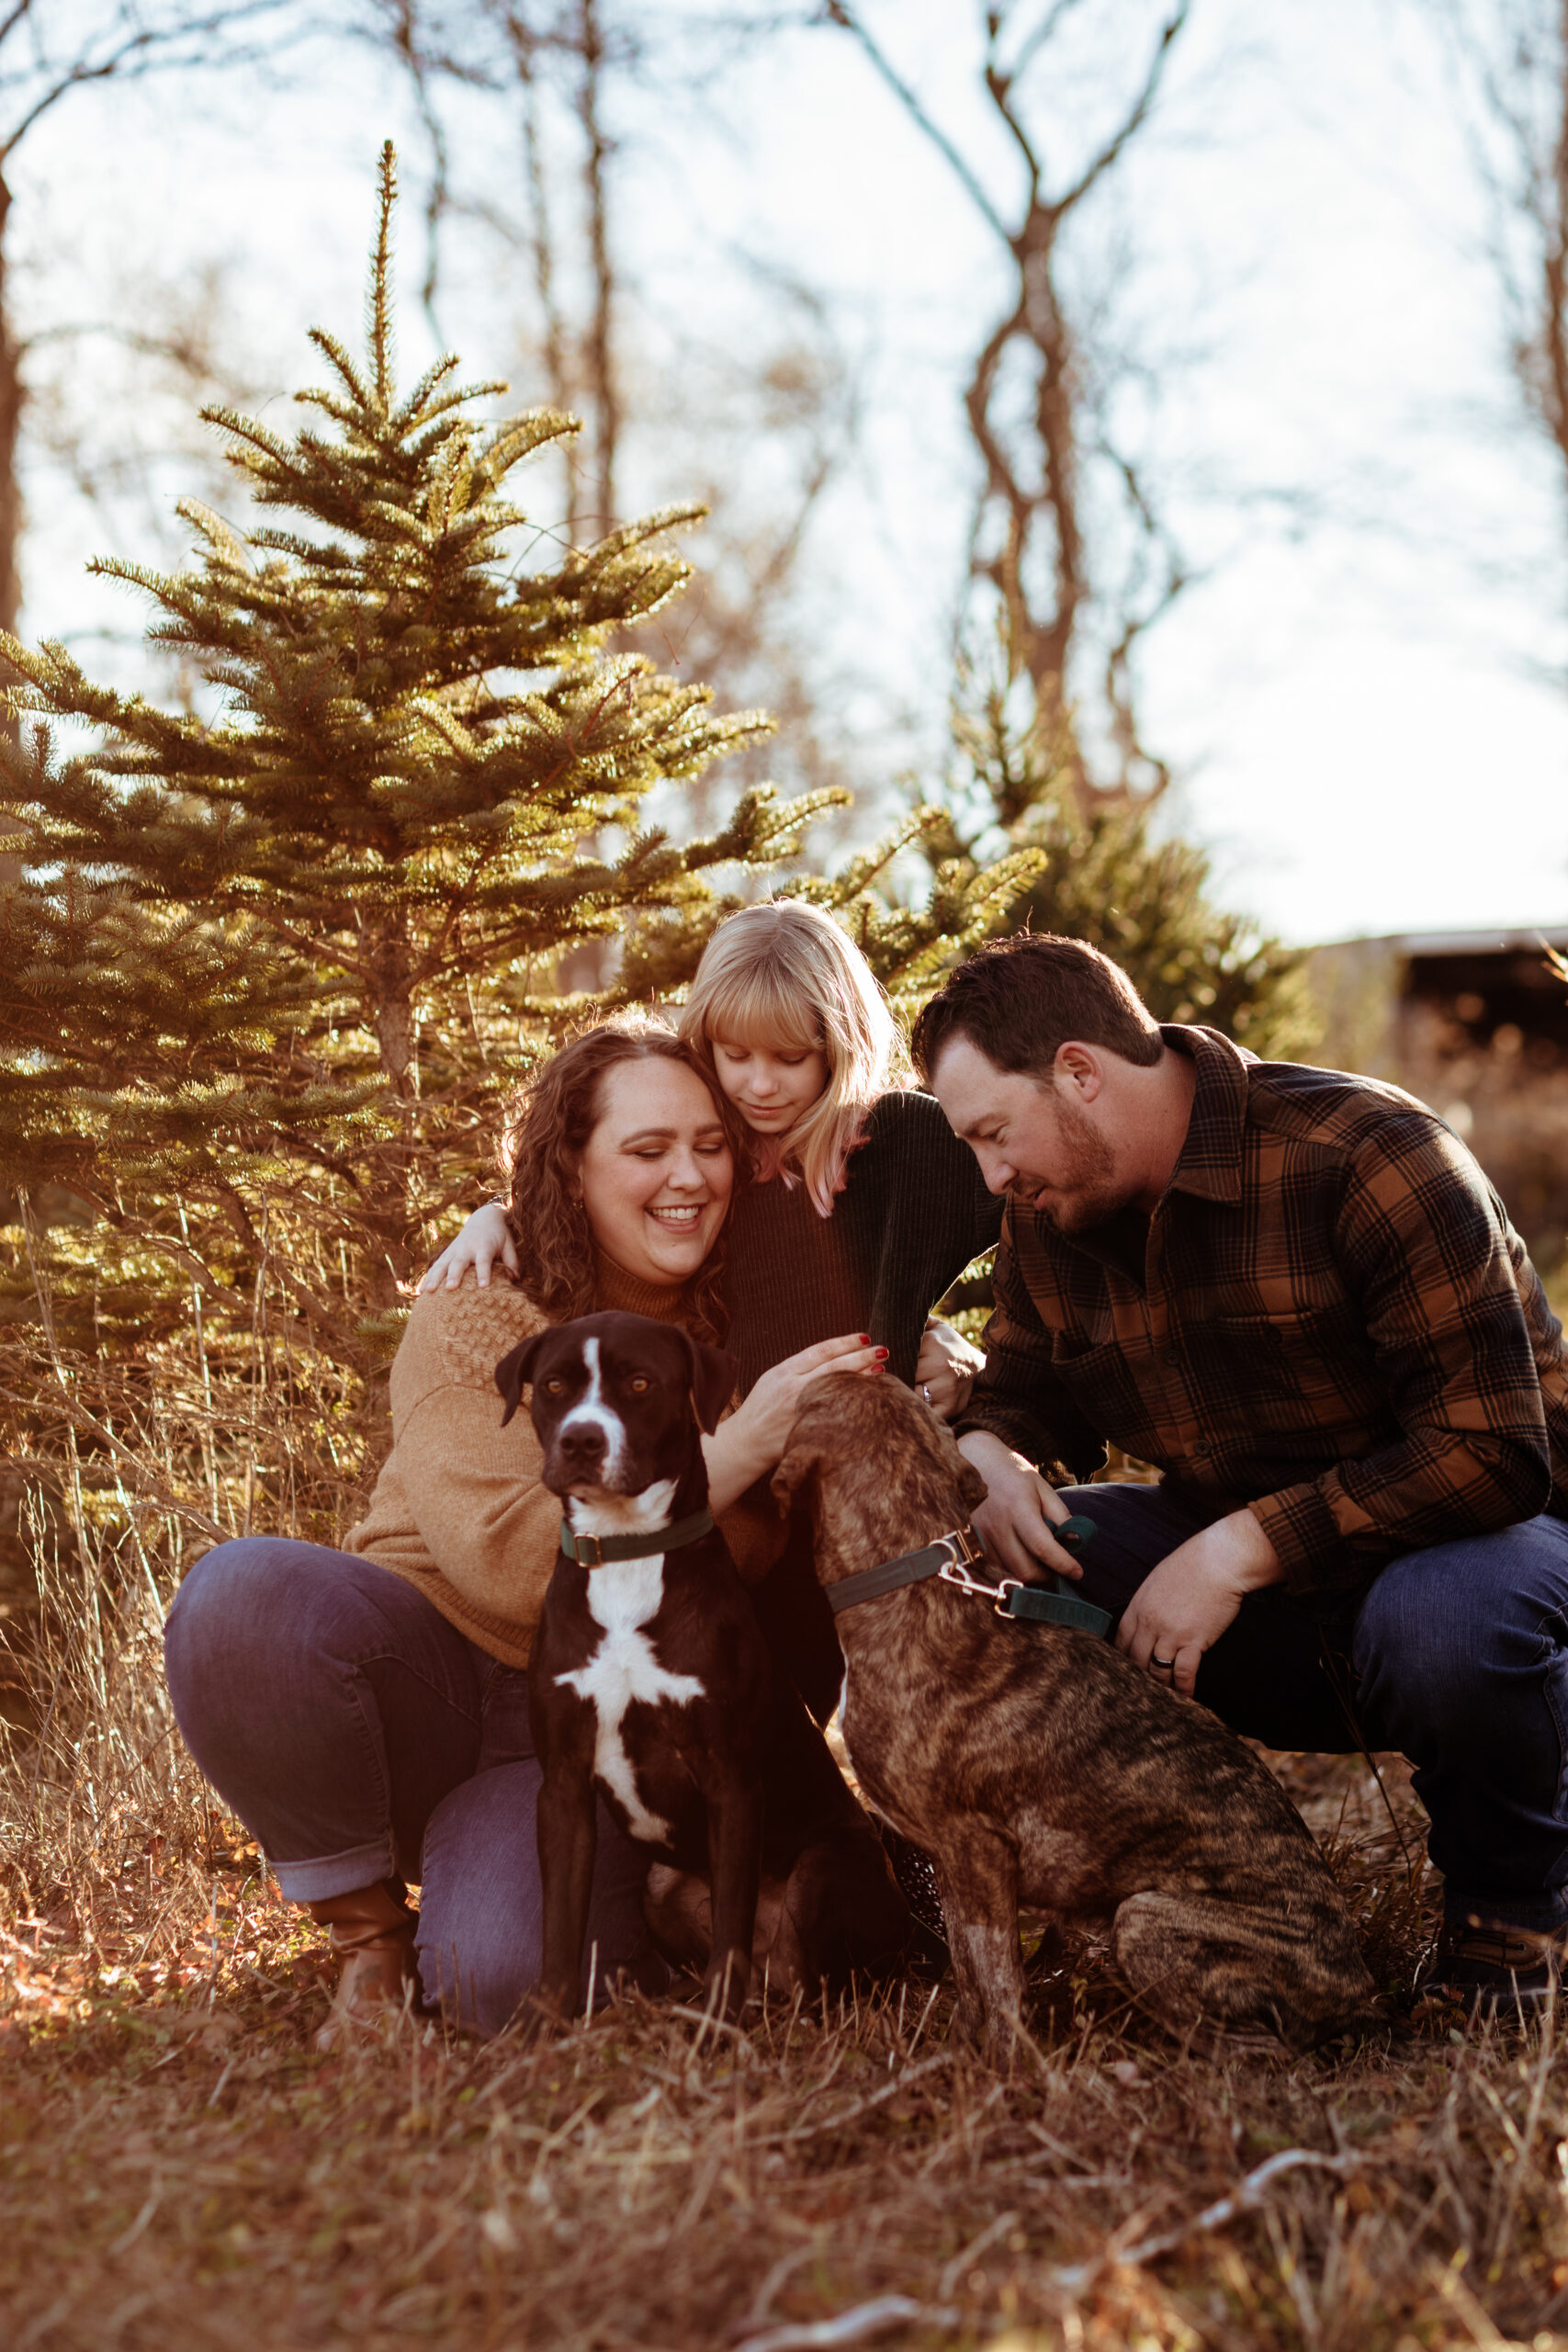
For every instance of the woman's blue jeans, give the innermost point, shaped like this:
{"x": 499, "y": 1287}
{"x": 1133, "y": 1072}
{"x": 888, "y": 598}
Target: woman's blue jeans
{"x": 360, "y": 1736}
{"x": 1458, "y": 1658}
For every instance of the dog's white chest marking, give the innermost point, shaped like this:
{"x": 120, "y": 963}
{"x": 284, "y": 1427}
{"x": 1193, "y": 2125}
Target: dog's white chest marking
{"x": 844, "y": 1714}
{"x": 622, "y": 1597}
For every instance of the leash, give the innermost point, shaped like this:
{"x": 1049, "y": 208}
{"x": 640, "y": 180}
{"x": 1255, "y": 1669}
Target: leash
{"x": 598, "y": 1551}
{"x": 953, "y": 1557}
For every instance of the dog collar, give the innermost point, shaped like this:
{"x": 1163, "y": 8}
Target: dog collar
{"x": 952, "y": 1557}
{"x": 598, "y": 1551}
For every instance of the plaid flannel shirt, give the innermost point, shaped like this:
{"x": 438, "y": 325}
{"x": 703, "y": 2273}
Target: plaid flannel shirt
{"x": 1337, "y": 1328}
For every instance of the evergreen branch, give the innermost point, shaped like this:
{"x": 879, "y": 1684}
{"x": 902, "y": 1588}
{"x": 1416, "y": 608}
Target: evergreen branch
{"x": 246, "y": 429}
{"x": 521, "y": 435}
{"x": 223, "y": 539}
{"x": 422, "y": 408}
{"x": 379, "y": 304}
{"x": 338, "y": 358}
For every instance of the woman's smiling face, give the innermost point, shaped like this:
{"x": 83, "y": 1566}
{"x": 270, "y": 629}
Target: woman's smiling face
{"x": 656, "y": 1173}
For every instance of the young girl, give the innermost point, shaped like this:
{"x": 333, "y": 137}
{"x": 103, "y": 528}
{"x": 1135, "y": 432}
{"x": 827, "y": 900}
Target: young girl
{"x": 864, "y": 1206}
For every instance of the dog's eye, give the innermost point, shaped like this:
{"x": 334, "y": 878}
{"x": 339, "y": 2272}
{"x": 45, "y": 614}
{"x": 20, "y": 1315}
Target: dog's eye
{"x": 554, "y": 1385}
{"x": 640, "y": 1383}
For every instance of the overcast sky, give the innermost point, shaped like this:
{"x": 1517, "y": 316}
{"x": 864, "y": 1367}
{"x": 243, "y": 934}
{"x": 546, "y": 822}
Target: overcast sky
{"x": 1356, "y": 696}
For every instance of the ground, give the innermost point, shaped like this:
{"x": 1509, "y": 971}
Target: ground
{"x": 180, "y": 2168}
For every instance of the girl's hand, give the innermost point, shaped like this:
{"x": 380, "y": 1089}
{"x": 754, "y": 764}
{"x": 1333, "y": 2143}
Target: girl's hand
{"x": 945, "y": 1372}
{"x": 483, "y": 1239}
{"x": 752, "y": 1440}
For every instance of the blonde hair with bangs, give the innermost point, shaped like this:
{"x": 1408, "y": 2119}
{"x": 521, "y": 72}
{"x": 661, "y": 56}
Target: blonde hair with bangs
{"x": 785, "y": 975}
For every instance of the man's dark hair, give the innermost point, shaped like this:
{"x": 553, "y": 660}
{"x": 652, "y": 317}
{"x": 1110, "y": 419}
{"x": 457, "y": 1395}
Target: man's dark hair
{"x": 1022, "y": 998}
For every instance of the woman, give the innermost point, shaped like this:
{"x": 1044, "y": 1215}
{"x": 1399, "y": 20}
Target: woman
{"x": 864, "y": 1206}
{"x": 365, "y": 1711}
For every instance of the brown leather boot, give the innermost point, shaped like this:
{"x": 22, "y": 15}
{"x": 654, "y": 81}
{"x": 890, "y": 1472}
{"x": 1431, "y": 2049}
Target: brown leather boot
{"x": 372, "y": 1932}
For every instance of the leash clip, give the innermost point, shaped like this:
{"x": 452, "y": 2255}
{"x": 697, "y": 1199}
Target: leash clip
{"x": 963, "y": 1554}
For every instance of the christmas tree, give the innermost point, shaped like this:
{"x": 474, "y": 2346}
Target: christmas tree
{"x": 285, "y": 954}
{"x": 1108, "y": 875}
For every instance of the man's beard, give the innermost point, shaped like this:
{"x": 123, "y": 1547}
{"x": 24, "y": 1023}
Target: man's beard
{"x": 1087, "y": 1193}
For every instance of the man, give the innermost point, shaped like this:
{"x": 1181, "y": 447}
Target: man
{"x": 1295, "y": 1292}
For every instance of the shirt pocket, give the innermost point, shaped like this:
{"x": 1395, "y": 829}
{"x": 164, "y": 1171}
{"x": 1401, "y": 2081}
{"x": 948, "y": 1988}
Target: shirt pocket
{"x": 1101, "y": 1379}
{"x": 1306, "y": 1372}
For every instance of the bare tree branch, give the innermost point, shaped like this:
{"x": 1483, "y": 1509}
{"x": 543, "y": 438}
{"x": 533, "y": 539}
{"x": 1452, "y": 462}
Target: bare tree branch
{"x": 835, "y": 12}
{"x": 1030, "y": 539}
{"x": 133, "y": 43}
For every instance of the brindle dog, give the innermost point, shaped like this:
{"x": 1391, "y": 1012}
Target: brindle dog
{"x": 1038, "y": 1766}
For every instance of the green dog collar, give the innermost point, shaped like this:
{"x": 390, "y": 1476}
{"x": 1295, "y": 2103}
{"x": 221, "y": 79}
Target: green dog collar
{"x": 599, "y": 1550}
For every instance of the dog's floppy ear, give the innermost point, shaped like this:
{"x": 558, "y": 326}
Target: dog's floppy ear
{"x": 972, "y": 1488}
{"x": 713, "y": 1384}
{"x": 513, "y": 1372}
{"x": 792, "y": 1474}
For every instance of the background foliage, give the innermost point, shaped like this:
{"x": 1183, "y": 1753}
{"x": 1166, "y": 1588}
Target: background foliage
{"x": 413, "y": 769}
{"x": 274, "y": 959}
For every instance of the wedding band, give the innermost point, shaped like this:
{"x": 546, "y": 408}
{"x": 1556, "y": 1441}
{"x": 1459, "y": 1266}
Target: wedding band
{"x": 1164, "y": 1663}
{"x": 925, "y": 1391}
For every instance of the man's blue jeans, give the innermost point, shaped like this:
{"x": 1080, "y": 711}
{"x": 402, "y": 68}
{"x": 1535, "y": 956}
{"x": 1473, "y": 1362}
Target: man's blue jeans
{"x": 360, "y": 1736}
{"x": 1459, "y": 1659}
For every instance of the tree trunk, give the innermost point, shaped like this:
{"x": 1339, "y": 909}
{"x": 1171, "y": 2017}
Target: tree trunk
{"x": 11, "y": 396}
{"x": 392, "y": 1181}
{"x": 600, "y": 354}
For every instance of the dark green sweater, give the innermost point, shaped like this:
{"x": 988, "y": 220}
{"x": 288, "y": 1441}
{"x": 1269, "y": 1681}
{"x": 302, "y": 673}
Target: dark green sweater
{"x": 912, "y": 1214}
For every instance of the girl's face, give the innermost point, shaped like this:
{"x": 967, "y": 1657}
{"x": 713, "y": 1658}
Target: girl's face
{"x": 656, "y": 1172}
{"x": 770, "y": 1086}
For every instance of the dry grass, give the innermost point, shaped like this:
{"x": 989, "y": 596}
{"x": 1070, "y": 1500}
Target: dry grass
{"x": 179, "y": 2168}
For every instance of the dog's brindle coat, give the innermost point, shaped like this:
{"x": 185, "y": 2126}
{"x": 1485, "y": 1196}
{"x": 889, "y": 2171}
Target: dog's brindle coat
{"x": 649, "y": 1677}
{"x": 1039, "y": 1767}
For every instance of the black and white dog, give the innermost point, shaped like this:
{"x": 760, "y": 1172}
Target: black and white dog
{"x": 649, "y": 1678}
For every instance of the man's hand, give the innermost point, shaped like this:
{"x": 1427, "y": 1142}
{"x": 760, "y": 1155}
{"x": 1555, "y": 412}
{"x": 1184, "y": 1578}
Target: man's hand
{"x": 947, "y": 1367}
{"x": 1014, "y": 1523}
{"x": 1183, "y": 1608}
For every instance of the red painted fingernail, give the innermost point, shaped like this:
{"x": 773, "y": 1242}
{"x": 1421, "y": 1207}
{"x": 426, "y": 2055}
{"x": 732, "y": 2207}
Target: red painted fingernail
{"x": 882, "y": 1355}
{"x": 865, "y": 1339}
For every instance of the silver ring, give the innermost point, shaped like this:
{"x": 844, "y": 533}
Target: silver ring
{"x": 925, "y": 1391}
{"x": 1162, "y": 1664}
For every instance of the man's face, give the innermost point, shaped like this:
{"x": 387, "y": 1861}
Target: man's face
{"x": 1032, "y": 1137}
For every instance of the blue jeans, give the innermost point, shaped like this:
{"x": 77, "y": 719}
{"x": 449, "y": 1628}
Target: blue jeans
{"x": 360, "y": 1736}
{"x": 1457, "y": 1658}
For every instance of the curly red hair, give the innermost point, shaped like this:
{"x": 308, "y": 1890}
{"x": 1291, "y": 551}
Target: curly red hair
{"x": 546, "y": 1133}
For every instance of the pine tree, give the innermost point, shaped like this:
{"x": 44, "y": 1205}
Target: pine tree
{"x": 1108, "y": 876}
{"x": 1014, "y": 820}
{"x": 289, "y": 951}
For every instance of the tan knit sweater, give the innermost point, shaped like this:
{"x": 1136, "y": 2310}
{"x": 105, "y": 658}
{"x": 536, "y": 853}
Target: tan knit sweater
{"x": 459, "y": 1510}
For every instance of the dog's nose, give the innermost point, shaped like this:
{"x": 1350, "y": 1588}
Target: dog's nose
{"x": 582, "y": 1446}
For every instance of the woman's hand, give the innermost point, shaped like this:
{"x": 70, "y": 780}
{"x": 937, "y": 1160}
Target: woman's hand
{"x": 752, "y": 1440}
{"x": 945, "y": 1372}
{"x": 483, "y": 1239}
